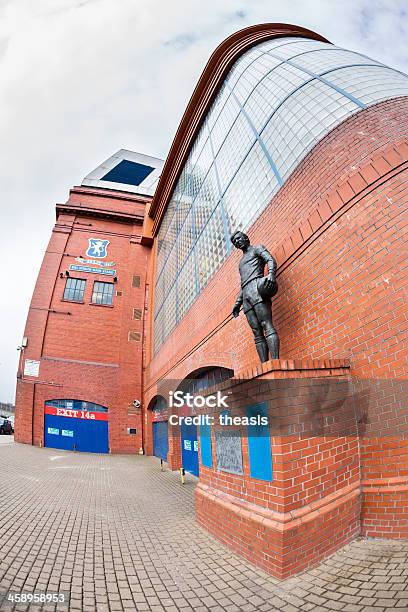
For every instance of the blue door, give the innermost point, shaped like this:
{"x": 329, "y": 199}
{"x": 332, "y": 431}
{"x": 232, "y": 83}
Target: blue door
{"x": 59, "y": 432}
{"x": 189, "y": 448}
{"x": 160, "y": 440}
{"x": 91, "y": 436}
{"x": 67, "y": 433}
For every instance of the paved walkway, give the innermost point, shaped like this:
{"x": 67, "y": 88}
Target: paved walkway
{"x": 6, "y": 440}
{"x": 115, "y": 533}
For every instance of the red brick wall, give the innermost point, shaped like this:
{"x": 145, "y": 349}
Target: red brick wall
{"x": 351, "y": 189}
{"x": 312, "y": 505}
{"x": 313, "y": 435}
{"x": 84, "y": 348}
{"x": 279, "y": 550}
{"x": 93, "y": 199}
{"x": 337, "y": 230}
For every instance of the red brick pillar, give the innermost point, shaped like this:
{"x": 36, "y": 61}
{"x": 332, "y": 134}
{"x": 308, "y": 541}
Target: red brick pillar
{"x": 174, "y": 455}
{"x": 311, "y": 505}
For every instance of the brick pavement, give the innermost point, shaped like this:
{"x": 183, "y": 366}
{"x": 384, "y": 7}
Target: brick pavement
{"x": 116, "y": 533}
{"x": 6, "y": 440}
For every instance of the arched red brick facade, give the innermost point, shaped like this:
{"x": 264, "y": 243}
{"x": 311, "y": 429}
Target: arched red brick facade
{"x": 338, "y": 233}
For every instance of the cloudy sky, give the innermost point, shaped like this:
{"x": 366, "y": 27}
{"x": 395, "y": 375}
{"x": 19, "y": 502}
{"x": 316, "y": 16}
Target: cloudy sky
{"x": 80, "y": 79}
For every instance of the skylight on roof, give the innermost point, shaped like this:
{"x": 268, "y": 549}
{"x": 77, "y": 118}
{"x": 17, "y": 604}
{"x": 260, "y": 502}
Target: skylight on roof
{"x": 128, "y": 173}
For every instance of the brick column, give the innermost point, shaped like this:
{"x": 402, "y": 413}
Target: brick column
{"x": 311, "y": 507}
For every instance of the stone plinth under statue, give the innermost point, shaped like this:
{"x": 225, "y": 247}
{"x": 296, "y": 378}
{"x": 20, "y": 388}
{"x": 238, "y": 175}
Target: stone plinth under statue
{"x": 290, "y": 514}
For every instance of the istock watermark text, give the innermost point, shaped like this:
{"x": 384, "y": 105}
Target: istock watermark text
{"x": 177, "y": 399}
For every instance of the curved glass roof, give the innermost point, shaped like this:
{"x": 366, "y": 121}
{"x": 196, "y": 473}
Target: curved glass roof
{"x": 278, "y": 101}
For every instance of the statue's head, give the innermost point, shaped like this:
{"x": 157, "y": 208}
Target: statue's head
{"x": 240, "y": 240}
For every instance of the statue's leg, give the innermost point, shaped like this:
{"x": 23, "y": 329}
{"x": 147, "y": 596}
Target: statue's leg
{"x": 263, "y": 312}
{"x": 260, "y": 341}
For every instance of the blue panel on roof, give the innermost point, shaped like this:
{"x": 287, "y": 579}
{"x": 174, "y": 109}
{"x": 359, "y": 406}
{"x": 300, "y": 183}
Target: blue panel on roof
{"x": 128, "y": 173}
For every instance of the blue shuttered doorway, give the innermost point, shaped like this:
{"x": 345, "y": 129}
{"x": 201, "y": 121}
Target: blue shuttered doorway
{"x": 189, "y": 448}
{"x": 160, "y": 440}
{"x": 67, "y": 433}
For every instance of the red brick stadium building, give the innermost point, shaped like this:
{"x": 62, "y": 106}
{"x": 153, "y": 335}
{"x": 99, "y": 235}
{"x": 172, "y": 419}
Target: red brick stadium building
{"x": 80, "y": 369}
{"x": 304, "y": 146}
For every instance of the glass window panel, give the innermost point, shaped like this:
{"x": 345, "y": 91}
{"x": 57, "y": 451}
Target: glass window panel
{"x": 253, "y": 75}
{"x": 163, "y": 240}
{"x": 290, "y": 50}
{"x": 250, "y": 191}
{"x": 233, "y": 150}
{"x": 170, "y": 268}
{"x": 300, "y": 123}
{"x": 170, "y": 312}
{"x": 158, "y": 336}
{"x": 270, "y": 92}
{"x": 329, "y": 58}
{"x": 228, "y": 179}
{"x": 242, "y": 64}
{"x": 201, "y": 167}
{"x": 198, "y": 145}
{"x": 370, "y": 84}
{"x": 211, "y": 248}
{"x": 222, "y": 126}
{"x": 186, "y": 286}
{"x": 185, "y": 240}
{"x": 183, "y": 210}
{"x": 102, "y": 293}
{"x": 218, "y": 105}
{"x": 159, "y": 292}
{"x": 74, "y": 289}
{"x": 206, "y": 200}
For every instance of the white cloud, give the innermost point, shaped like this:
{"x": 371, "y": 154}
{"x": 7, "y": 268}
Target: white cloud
{"x": 81, "y": 79}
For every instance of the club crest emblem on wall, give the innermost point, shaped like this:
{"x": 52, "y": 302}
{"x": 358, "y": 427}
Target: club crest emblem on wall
{"x": 97, "y": 248}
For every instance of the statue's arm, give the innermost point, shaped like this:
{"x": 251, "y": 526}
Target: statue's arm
{"x": 238, "y": 304}
{"x": 268, "y": 260}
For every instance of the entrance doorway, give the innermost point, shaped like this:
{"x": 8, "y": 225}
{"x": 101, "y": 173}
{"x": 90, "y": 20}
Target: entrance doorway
{"x": 160, "y": 440}
{"x": 76, "y": 425}
{"x": 189, "y": 448}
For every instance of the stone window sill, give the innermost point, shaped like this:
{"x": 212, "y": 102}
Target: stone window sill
{"x": 72, "y": 301}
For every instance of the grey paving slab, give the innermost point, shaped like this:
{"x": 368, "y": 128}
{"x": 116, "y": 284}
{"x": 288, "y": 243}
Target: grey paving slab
{"x": 116, "y": 533}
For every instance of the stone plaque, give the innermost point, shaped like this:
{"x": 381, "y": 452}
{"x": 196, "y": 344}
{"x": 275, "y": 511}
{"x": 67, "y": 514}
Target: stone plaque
{"x": 228, "y": 451}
